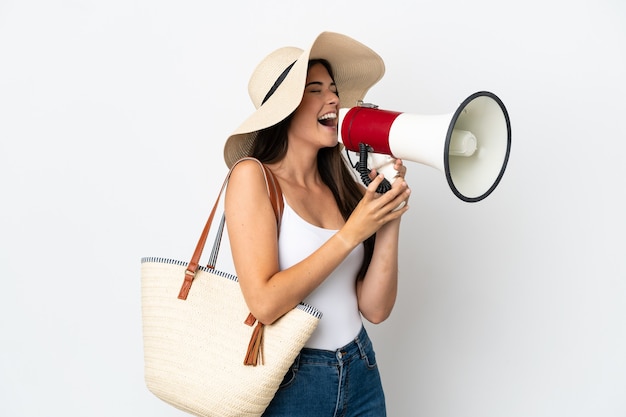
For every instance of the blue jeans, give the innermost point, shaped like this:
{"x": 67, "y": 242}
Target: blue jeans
{"x": 324, "y": 383}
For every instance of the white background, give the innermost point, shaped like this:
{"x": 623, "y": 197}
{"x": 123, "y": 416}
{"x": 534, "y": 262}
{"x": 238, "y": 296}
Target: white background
{"x": 112, "y": 119}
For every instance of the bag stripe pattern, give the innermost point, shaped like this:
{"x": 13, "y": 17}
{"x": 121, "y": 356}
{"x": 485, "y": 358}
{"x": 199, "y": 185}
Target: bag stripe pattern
{"x": 152, "y": 259}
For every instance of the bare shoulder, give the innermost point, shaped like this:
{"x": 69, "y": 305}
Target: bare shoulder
{"x": 246, "y": 186}
{"x": 248, "y": 207}
{"x": 245, "y": 174}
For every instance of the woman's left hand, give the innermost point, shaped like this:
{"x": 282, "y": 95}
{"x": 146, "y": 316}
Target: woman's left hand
{"x": 400, "y": 168}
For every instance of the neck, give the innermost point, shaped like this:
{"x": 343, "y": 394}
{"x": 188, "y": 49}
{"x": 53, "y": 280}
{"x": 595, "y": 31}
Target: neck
{"x": 298, "y": 167}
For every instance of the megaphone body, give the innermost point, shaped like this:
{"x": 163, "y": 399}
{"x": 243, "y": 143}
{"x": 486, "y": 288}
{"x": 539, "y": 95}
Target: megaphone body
{"x": 471, "y": 145}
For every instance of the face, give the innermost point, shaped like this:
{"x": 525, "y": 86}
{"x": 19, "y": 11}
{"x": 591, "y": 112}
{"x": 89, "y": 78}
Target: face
{"x": 315, "y": 120}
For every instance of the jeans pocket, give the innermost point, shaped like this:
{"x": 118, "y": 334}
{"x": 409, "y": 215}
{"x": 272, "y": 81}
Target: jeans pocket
{"x": 369, "y": 357}
{"x": 290, "y": 377}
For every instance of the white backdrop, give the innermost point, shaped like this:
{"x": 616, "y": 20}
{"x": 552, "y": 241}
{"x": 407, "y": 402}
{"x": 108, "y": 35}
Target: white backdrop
{"x": 112, "y": 119}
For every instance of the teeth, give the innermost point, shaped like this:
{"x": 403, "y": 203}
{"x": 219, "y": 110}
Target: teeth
{"x": 328, "y": 116}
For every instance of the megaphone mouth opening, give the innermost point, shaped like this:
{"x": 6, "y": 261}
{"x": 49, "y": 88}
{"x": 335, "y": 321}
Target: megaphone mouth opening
{"x": 485, "y": 116}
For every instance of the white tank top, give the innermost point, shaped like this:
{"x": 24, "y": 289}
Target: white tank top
{"x": 336, "y": 296}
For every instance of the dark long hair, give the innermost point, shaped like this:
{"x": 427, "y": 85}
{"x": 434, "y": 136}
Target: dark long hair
{"x": 270, "y": 145}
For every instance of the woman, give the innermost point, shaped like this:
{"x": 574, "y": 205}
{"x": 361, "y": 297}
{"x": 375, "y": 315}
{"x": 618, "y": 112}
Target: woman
{"x": 338, "y": 243}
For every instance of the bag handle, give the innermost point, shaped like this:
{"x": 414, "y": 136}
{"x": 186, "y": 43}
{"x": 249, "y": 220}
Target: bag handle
{"x": 276, "y": 198}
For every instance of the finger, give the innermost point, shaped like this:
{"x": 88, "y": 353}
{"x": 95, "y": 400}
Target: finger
{"x": 399, "y": 205}
{"x": 403, "y": 197}
{"x": 371, "y": 188}
{"x": 400, "y": 168}
{"x": 399, "y": 192}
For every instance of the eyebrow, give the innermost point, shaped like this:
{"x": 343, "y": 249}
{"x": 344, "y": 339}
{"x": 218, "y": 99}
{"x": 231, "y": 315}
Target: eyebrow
{"x": 319, "y": 83}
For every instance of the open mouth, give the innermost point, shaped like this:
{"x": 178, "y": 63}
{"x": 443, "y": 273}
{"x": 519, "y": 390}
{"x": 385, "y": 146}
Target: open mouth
{"x": 329, "y": 119}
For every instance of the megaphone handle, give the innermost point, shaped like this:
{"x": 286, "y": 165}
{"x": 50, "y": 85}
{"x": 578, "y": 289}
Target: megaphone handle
{"x": 364, "y": 171}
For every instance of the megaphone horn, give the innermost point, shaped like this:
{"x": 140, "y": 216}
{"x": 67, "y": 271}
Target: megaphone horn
{"x": 471, "y": 146}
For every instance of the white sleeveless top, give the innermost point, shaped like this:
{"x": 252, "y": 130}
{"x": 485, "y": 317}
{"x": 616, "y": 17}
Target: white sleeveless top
{"x": 336, "y": 296}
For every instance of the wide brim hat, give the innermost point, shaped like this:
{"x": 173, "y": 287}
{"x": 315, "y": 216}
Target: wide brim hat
{"x": 277, "y": 84}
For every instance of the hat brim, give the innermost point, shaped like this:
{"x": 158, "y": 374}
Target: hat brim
{"x": 356, "y": 69}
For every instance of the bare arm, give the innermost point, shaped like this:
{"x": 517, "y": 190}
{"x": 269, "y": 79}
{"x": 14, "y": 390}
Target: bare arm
{"x": 269, "y": 292}
{"x": 378, "y": 290}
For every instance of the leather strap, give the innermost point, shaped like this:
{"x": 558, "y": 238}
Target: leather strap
{"x": 254, "y": 353}
{"x": 276, "y": 198}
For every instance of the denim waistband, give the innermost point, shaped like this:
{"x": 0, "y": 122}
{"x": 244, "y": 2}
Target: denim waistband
{"x": 357, "y": 347}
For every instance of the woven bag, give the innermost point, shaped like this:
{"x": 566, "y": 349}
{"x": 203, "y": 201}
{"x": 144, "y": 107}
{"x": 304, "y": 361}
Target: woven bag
{"x": 200, "y": 349}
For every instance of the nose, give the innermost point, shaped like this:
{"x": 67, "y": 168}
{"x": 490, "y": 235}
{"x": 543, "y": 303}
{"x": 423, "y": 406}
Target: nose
{"x": 332, "y": 97}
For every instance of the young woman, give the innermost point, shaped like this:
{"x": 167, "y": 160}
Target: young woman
{"x": 337, "y": 245}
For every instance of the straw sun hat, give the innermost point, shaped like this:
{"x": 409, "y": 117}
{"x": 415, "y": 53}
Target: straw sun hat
{"x": 277, "y": 84}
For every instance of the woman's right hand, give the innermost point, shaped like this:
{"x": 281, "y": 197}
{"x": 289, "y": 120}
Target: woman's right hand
{"x": 375, "y": 210}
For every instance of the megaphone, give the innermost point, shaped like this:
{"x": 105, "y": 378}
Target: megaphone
{"x": 471, "y": 145}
